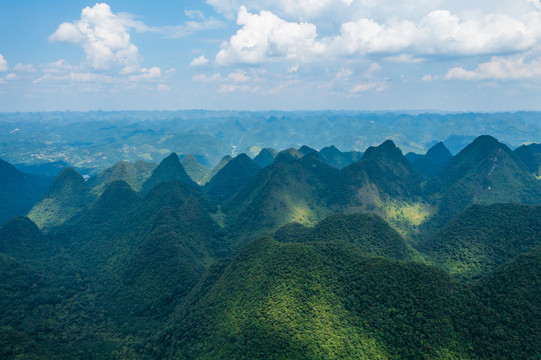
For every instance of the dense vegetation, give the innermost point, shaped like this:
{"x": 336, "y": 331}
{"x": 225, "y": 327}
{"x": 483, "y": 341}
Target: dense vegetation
{"x": 301, "y": 254}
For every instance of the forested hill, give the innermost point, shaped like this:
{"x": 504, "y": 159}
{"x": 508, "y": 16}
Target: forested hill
{"x": 291, "y": 254}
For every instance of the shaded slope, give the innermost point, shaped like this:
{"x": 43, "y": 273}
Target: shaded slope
{"x": 332, "y": 156}
{"x": 485, "y": 236}
{"x": 235, "y": 174}
{"x": 317, "y": 301}
{"x": 288, "y": 155}
{"x": 21, "y": 238}
{"x": 226, "y": 159}
{"x": 265, "y": 157}
{"x": 66, "y": 196}
{"x": 282, "y": 192}
{"x": 485, "y": 172}
{"x": 144, "y": 253}
{"x": 168, "y": 170}
{"x": 382, "y": 173}
{"x": 435, "y": 160}
{"x": 18, "y": 191}
{"x": 510, "y": 325}
{"x": 531, "y": 159}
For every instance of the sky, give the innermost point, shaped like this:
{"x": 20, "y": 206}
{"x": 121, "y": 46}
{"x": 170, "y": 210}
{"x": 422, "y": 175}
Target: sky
{"x": 443, "y": 55}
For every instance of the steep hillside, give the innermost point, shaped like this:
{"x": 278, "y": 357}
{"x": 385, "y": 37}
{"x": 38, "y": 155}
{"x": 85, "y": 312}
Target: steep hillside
{"x": 18, "y": 191}
{"x": 367, "y": 232}
{"x": 66, "y": 196}
{"x": 483, "y": 237}
{"x": 133, "y": 174}
{"x": 531, "y": 159}
{"x": 317, "y": 301}
{"x": 288, "y": 155}
{"x": 485, "y": 172}
{"x": 280, "y": 193}
{"x": 265, "y": 157}
{"x": 430, "y": 164}
{"x": 226, "y": 159}
{"x": 332, "y": 156}
{"x": 382, "y": 173}
{"x": 510, "y": 325}
{"x": 235, "y": 174}
{"x": 194, "y": 169}
{"x": 168, "y": 170}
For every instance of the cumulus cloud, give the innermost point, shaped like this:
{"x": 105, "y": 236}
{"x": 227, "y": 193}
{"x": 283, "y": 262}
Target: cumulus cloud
{"x": 199, "y": 61}
{"x": 440, "y": 33}
{"x": 266, "y": 37}
{"x": 3, "y": 63}
{"x": 104, "y": 37}
{"x": 499, "y": 68}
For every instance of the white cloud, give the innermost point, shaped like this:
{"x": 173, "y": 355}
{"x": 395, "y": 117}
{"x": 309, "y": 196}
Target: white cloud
{"x": 368, "y": 86}
{"x": 535, "y": 3}
{"x": 154, "y": 73}
{"x": 11, "y": 76}
{"x": 199, "y": 61}
{"x": 300, "y": 9}
{"x": 239, "y": 76}
{"x": 343, "y": 74}
{"x": 266, "y": 37}
{"x": 293, "y": 69}
{"x": 29, "y": 68}
{"x": 187, "y": 29}
{"x": 499, "y": 68}
{"x": 163, "y": 87}
{"x": 3, "y": 63}
{"x": 440, "y": 33}
{"x": 104, "y": 37}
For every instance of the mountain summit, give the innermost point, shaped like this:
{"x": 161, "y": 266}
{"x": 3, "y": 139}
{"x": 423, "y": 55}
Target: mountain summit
{"x": 169, "y": 169}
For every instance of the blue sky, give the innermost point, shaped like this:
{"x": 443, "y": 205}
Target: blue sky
{"x": 270, "y": 54}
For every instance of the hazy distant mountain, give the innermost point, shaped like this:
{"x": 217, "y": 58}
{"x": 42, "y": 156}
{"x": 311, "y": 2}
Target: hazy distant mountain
{"x": 66, "y": 196}
{"x": 133, "y": 174}
{"x": 169, "y": 169}
{"x": 194, "y": 169}
{"x": 455, "y": 143}
{"x": 18, "y": 191}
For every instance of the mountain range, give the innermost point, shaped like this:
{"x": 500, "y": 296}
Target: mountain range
{"x": 298, "y": 253}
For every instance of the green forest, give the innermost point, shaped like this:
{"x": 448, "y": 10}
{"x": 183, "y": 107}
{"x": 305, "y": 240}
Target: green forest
{"x": 292, "y": 254}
